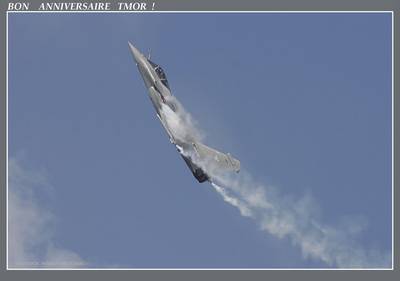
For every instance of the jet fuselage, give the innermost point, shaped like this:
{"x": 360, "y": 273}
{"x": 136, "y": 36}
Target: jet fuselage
{"x": 189, "y": 147}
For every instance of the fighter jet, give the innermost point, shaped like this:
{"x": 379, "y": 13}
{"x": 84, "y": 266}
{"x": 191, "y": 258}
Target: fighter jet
{"x": 196, "y": 155}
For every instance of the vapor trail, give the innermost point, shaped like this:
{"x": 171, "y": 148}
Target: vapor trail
{"x": 298, "y": 220}
{"x": 244, "y": 210}
{"x": 282, "y": 216}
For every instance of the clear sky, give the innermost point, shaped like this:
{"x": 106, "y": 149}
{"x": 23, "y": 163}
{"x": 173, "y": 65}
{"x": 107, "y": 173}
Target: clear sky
{"x": 303, "y": 100}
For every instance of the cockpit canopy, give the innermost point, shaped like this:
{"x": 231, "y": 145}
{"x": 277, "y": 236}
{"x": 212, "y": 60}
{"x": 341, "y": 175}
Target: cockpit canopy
{"x": 160, "y": 73}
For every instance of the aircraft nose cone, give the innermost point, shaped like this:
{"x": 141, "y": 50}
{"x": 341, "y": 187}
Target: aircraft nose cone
{"x": 136, "y": 54}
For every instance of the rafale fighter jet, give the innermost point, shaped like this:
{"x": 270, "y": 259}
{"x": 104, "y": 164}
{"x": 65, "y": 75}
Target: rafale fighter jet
{"x": 192, "y": 151}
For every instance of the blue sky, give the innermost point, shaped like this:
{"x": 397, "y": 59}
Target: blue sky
{"x": 303, "y": 100}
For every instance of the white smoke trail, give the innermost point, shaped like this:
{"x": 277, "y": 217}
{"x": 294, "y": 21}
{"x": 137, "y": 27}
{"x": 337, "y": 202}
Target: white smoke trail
{"x": 298, "y": 220}
{"x": 180, "y": 122}
{"x": 280, "y": 215}
{"x": 244, "y": 210}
